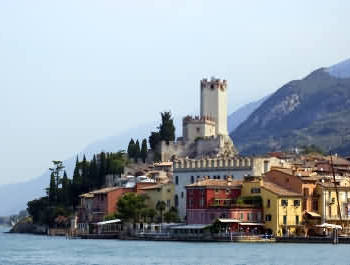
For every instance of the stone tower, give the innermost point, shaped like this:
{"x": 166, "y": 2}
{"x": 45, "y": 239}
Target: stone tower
{"x": 214, "y": 103}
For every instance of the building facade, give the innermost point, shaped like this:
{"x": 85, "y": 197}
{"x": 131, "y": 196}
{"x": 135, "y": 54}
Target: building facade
{"x": 212, "y": 199}
{"x": 188, "y": 171}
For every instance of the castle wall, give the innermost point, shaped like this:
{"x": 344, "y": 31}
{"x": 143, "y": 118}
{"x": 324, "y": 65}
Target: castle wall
{"x": 194, "y": 128}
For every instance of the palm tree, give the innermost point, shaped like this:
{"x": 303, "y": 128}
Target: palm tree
{"x": 161, "y": 205}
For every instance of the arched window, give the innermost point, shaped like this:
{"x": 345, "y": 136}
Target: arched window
{"x": 177, "y": 180}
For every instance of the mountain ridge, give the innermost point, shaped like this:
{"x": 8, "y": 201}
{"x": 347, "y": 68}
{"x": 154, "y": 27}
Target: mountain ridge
{"x": 313, "y": 110}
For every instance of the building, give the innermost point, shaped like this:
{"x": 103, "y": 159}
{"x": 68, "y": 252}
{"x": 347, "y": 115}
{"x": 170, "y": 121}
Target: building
{"x": 159, "y": 192}
{"x": 212, "y": 199}
{"x": 302, "y": 182}
{"x": 328, "y": 203}
{"x": 281, "y": 207}
{"x": 97, "y": 204}
{"x": 188, "y": 171}
{"x": 206, "y": 134}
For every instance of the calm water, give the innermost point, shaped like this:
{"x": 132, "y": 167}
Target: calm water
{"x": 28, "y": 249}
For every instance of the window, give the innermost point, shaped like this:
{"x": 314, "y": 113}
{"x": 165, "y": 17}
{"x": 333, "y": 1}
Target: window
{"x": 192, "y": 179}
{"x": 190, "y": 204}
{"x": 219, "y": 177}
{"x": 297, "y": 219}
{"x": 176, "y": 201}
{"x": 201, "y": 203}
{"x": 268, "y": 204}
{"x": 306, "y": 192}
{"x": 168, "y": 203}
{"x": 225, "y": 177}
{"x": 182, "y": 195}
{"x": 216, "y": 190}
{"x": 268, "y": 217}
{"x": 198, "y": 129}
{"x": 296, "y": 202}
{"x": 266, "y": 166}
{"x": 177, "y": 180}
{"x": 242, "y": 216}
{"x": 315, "y": 205}
{"x": 284, "y": 202}
{"x": 284, "y": 219}
{"x": 255, "y": 190}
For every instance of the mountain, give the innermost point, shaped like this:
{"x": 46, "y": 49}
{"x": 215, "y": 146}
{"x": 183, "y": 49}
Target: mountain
{"x": 14, "y": 197}
{"x": 240, "y": 115}
{"x": 314, "y": 110}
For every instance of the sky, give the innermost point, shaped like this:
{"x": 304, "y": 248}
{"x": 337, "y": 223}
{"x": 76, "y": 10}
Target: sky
{"x": 75, "y": 71}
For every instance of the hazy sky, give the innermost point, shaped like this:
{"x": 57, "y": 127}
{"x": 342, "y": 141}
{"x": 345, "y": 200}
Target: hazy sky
{"x": 74, "y": 71}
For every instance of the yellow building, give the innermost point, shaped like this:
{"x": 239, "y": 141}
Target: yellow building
{"x": 282, "y": 208}
{"x": 160, "y": 192}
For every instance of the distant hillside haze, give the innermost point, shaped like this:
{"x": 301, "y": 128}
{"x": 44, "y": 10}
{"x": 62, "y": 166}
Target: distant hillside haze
{"x": 314, "y": 110}
{"x": 21, "y": 193}
{"x": 240, "y": 115}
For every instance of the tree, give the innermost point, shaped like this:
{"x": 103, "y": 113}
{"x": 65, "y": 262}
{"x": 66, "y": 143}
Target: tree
{"x": 154, "y": 140}
{"x": 160, "y": 206}
{"x": 65, "y": 191}
{"x": 52, "y": 190}
{"x": 131, "y": 148}
{"x": 144, "y": 150}
{"x": 76, "y": 174}
{"x": 56, "y": 171}
{"x": 130, "y": 206}
{"x": 137, "y": 151}
{"x": 171, "y": 215}
{"x": 167, "y": 128}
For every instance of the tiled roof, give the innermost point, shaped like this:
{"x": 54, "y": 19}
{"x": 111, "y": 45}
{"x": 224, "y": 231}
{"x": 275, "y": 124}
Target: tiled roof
{"x": 278, "y": 190}
{"x": 104, "y": 190}
{"x": 216, "y": 183}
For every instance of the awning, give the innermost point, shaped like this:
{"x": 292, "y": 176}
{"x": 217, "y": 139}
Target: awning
{"x": 194, "y": 226}
{"x": 227, "y": 220}
{"x": 313, "y": 214}
{"x": 109, "y": 222}
{"x": 330, "y": 226}
{"x": 252, "y": 224}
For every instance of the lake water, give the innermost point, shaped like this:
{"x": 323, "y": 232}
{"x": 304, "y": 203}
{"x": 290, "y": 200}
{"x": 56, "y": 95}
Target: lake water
{"x": 30, "y": 249}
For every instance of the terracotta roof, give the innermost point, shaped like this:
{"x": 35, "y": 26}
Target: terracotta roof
{"x": 338, "y": 160}
{"x": 288, "y": 171}
{"x": 216, "y": 183}
{"x": 86, "y": 195}
{"x": 278, "y": 190}
{"x": 104, "y": 190}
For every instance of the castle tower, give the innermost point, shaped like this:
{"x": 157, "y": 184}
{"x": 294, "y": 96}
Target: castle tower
{"x": 214, "y": 103}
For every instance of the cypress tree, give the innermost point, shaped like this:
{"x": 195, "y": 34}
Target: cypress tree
{"x": 131, "y": 148}
{"x": 76, "y": 174}
{"x": 65, "y": 198}
{"x": 144, "y": 150}
{"x": 85, "y": 174}
{"x": 52, "y": 192}
{"x": 137, "y": 152}
{"x": 102, "y": 169}
{"x": 93, "y": 174}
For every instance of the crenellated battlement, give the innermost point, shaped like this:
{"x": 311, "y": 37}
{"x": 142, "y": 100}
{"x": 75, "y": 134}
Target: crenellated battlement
{"x": 198, "y": 119}
{"x": 213, "y": 83}
{"x": 237, "y": 163}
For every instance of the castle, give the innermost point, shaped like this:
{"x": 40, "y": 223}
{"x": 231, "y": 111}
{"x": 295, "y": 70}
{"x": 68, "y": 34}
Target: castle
{"x": 205, "y": 135}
